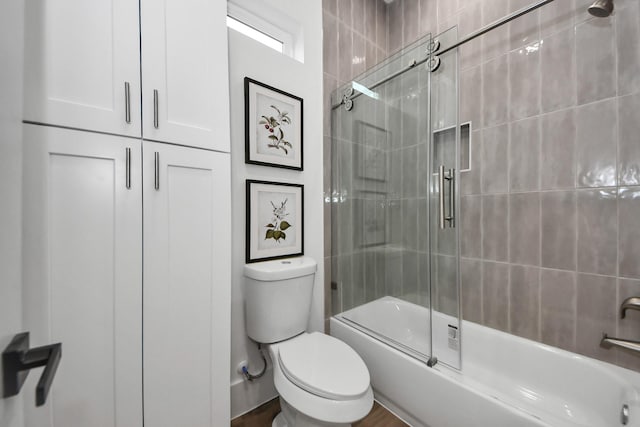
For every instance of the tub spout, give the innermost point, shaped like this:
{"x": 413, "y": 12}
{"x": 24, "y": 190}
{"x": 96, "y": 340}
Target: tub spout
{"x": 631, "y": 303}
{"x": 608, "y": 342}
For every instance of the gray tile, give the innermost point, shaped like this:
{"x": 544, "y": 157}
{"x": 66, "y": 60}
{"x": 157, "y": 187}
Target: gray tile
{"x": 558, "y": 83}
{"x": 446, "y": 285}
{"x": 330, "y": 6}
{"x": 596, "y": 140}
{"x": 329, "y": 84}
{"x": 471, "y": 180}
{"x": 596, "y": 312}
{"x": 629, "y": 232}
{"x": 495, "y": 159}
{"x": 628, "y": 34}
{"x": 358, "y": 55}
{"x": 526, "y": 29}
{"x": 345, "y": 51}
{"x": 382, "y": 26}
{"x": 495, "y": 295}
{"x": 428, "y": 17}
{"x": 597, "y": 231}
{"x": 423, "y": 225}
{"x": 327, "y": 288}
{"x": 409, "y": 176}
{"x": 495, "y": 42}
{"x": 558, "y": 308}
{"x": 371, "y": 58}
{"x": 495, "y": 236}
{"x": 629, "y": 149}
{"x": 394, "y": 15}
{"x": 344, "y": 11}
{"x": 524, "y": 303}
{"x": 628, "y": 327}
{"x": 595, "y": 56}
{"x": 424, "y": 271}
{"x": 471, "y": 96}
{"x": 471, "y": 286}
{"x": 330, "y": 45}
{"x": 558, "y": 222}
{"x": 470, "y": 20}
{"x": 395, "y": 222}
{"x": 410, "y": 274}
{"x": 395, "y": 174}
{"x": 471, "y": 226}
{"x": 393, "y": 272}
{"x": 409, "y": 224}
{"x": 495, "y": 89}
{"x": 446, "y": 8}
{"x": 524, "y": 228}
{"x": 411, "y": 27}
{"x": 344, "y": 278}
{"x": 370, "y": 21}
{"x": 558, "y": 150}
{"x": 556, "y": 16}
{"x": 524, "y": 155}
{"x": 524, "y": 82}
{"x": 357, "y": 15}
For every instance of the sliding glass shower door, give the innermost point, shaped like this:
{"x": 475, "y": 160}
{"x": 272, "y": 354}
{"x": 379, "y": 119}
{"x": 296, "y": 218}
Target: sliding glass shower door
{"x": 395, "y": 165}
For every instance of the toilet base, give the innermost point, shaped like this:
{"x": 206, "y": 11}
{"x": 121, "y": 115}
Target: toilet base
{"x": 289, "y": 417}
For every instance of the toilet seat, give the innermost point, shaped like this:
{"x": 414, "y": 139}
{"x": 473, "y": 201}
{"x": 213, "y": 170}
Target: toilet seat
{"x": 324, "y": 366}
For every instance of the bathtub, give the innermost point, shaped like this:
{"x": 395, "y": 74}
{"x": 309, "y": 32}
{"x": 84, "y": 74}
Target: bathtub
{"x": 505, "y": 381}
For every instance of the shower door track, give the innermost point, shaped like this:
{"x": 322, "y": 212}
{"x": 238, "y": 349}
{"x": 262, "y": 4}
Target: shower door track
{"x": 500, "y": 22}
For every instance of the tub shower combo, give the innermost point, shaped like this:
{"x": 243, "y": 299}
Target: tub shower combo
{"x": 401, "y": 157}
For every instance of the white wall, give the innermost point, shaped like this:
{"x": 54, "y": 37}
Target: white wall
{"x": 252, "y": 59}
{"x": 11, "y": 44}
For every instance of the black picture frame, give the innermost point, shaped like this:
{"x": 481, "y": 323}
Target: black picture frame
{"x": 260, "y": 217}
{"x": 268, "y": 146}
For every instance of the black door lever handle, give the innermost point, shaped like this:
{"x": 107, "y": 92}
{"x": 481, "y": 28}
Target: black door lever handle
{"x": 18, "y": 359}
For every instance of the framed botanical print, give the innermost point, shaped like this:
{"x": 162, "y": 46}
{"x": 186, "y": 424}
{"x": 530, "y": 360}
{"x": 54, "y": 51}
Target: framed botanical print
{"x": 273, "y": 126}
{"x": 274, "y": 220}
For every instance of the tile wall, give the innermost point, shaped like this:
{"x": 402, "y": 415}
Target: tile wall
{"x": 551, "y": 205}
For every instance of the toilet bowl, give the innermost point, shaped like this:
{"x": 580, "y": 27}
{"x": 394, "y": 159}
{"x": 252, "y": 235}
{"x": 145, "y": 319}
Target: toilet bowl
{"x": 321, "y": 380}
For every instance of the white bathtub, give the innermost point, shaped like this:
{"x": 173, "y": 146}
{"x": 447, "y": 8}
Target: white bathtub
{"x": 505, "y": 381}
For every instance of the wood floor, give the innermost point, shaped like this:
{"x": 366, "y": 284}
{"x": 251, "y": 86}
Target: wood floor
{"x": 263, "y": 415}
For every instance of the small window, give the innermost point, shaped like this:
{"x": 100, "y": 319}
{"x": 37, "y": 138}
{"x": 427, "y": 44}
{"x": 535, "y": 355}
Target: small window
{"x": 257, "y": 35}
{"x": 259, "y": 24}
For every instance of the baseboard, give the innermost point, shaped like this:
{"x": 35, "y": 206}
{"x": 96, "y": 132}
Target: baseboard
{"x": 248, "y": 395}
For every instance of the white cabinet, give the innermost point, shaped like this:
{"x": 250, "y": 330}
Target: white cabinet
{"x": 186, "y": 286}
{"x": 80, "y": 56}
{"x": 82, "y": 281}
{"x": 185, "y": 81}
{"x": 82, "y": 65}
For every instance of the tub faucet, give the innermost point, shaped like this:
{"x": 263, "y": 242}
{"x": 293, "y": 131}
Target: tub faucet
{"x": 632, "y": 303}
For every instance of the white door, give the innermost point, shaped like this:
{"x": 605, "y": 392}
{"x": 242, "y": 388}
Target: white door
{"x": 82, "y": 278}
{"x": 187, "y": 258}
{"x": 185, "y": 93}
{"x": 81, "y": 59}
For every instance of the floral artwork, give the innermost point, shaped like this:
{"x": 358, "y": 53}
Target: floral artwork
{"x": 273, "y": 126}
{"x": 274, "y": 220}
{"x": 278, "y": 225}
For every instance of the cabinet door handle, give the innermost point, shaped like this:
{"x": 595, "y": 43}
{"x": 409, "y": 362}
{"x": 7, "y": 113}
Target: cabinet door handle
{"x": 128, "y": 169}
{"x": 156, "y": 169}
{"x": 18, "y": 359}
{"x": 156, "y": 121}
{"x": 127, "y": 102}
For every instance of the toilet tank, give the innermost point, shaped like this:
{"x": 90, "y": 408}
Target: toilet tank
{"x": 278, "y": 298}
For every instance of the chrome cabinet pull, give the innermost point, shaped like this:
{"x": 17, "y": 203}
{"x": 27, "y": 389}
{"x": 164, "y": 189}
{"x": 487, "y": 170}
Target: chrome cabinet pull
{"x": 127, "y": 102}
{"x": 156, "y": 164}
{"x": 156, "y": 121}
{"x": 441, "y": 197}
{"x": 128, "y": 169}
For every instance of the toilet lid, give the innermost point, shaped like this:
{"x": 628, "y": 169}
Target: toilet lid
{"x": 324, "y": 366}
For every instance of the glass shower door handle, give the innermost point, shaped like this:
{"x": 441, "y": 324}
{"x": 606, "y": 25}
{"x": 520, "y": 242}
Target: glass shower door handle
{"x": 449, "y": 176}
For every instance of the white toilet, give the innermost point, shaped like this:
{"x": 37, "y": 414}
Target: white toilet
{"x": 321, "y": 380}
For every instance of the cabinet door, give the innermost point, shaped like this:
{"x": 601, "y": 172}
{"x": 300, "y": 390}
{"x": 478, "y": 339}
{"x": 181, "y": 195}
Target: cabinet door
{"x": 82, "y": 277}
{"x": 185, "y": 81}
{"x": 79, "y": 58}
{"x": 186, "y": 286}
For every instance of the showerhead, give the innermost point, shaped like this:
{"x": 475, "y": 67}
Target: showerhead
{"x": 601, "y": 8}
